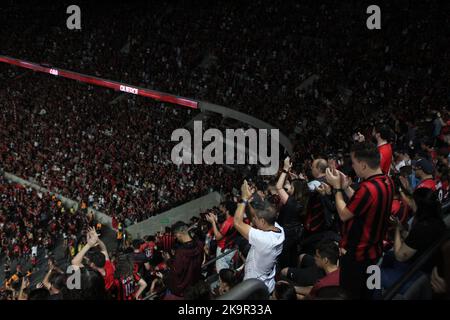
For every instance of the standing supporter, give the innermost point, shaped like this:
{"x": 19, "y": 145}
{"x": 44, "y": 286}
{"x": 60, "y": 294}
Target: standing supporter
{"x": 294, "y": 197}
{"x": 365, "y": 217}
{"x": 266, "y": 238}
{"x": 166, "y": 241}
{"x": 185, "y": 265}
{"x": 224, "y": 236}
{"x": 128, "y": 284}
{"x": 382, "y": 135}
{"x": 321, "y": 209}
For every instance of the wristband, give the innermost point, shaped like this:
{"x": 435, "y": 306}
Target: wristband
{"x": 285, "y": 171}
{"x": 244, "y": 202}
{"x": 338, "y": 190}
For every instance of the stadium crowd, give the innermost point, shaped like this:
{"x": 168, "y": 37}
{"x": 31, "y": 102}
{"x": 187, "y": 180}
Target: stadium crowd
{"x": 338, "y": 205}
{"x": 116, "y": 158}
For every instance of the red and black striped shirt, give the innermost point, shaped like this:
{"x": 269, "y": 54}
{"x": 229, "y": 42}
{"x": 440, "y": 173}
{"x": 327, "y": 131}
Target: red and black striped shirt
{"x": 401, "y": 210}
{"x": 166, "y": 241}
{"x": 315, "y": 216}
{"x": 127, "y": 286}
{"x": 371, "y": 205}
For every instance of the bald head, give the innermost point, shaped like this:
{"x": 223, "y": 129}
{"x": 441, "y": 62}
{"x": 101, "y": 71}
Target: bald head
{"x": 318, "y": 168}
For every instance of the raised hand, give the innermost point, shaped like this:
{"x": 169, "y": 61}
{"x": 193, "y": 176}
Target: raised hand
{"x": 346, "y": 181}
{"x": 437, "y": 283}
{"x": 92, "y": 237}
{"x": 246, "y": 192}
{"x": 287, "y": 164}
{"x": 324, "y": 189}
{"x": 211, "y": 217}
{"x": 333, "y": 178}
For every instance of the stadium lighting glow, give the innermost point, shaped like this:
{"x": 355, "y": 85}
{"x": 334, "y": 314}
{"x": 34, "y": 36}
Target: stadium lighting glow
{"x": 164, "y": 97}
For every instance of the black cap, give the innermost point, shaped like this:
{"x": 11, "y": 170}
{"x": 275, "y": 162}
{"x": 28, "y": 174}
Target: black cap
{"x": 423, "y": 164}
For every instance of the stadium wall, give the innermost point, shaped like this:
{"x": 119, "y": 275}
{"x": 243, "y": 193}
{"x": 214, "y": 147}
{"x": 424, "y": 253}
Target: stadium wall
{"x": 68, "y": 203}
{"x": 149, "y": 226}
{"x": 181, "y": 213}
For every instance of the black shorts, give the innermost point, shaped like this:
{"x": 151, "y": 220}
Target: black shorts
{"x": 353, "y": 277}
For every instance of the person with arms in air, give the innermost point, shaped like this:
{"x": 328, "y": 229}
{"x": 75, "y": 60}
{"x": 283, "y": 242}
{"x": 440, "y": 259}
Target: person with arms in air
{"x": 266, "y": 239}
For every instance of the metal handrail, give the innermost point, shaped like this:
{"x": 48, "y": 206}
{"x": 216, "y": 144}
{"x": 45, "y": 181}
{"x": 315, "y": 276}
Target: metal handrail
{"x": 415, "y": 267}
{"x": 219, "y": 257}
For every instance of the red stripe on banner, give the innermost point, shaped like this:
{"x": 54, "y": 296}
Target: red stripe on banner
{"x": 103, "y": 83}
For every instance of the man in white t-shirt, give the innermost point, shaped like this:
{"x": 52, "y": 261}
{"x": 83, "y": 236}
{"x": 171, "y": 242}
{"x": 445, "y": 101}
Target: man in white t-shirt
{"x": 266, "y": 239}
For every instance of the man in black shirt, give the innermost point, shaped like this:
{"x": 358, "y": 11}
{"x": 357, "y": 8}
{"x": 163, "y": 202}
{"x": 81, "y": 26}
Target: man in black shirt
{"x": 186, "y": 265}
{"x": 320, "y": 219}
{"x": 141, "y": 262}
{"x": 427, "y": 228}
{"x": 294, "y": 198}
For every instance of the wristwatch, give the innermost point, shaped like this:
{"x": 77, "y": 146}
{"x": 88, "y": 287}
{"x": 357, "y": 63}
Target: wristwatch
{"x": 338, "y": 190}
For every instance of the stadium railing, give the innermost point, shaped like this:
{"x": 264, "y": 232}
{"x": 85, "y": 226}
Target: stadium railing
{"x": 207, "y": 263}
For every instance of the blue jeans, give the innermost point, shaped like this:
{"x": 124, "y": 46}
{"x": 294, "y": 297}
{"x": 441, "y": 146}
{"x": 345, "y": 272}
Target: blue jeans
{"x": 226, "y": 261}
{"x": 392, "y": 270}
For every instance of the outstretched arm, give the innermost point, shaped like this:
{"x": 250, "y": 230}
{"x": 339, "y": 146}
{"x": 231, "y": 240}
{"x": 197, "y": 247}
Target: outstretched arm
{"x": 281, "y": 179}
{"x": 103, "y": 249}
{"x": 212, "y": 218}
{"x": 239, "y": 224}
{"x": 92, "y": 240}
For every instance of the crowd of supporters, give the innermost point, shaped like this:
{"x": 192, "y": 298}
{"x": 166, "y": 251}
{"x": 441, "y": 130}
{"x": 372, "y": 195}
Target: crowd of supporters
{"x": 113, "y": 157}
{"x": 339, "y": 204}
{"x": 249, "y": 238}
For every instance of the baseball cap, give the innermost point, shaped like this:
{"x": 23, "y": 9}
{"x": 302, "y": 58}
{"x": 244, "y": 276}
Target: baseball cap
{"x": 423, "y": 164}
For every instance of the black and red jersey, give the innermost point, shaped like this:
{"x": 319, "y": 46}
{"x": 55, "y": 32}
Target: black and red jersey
{"x": 166, "y": 242}
{"x": 314, "y": 220}
{"x": 148, "y": 248}
{"x": 401, "y": 210}
{"x": 428, "y": 184}
{"x": 127, "y": 286}
{"x": 139, "y": 261}
{"x": 371, "y": 204}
